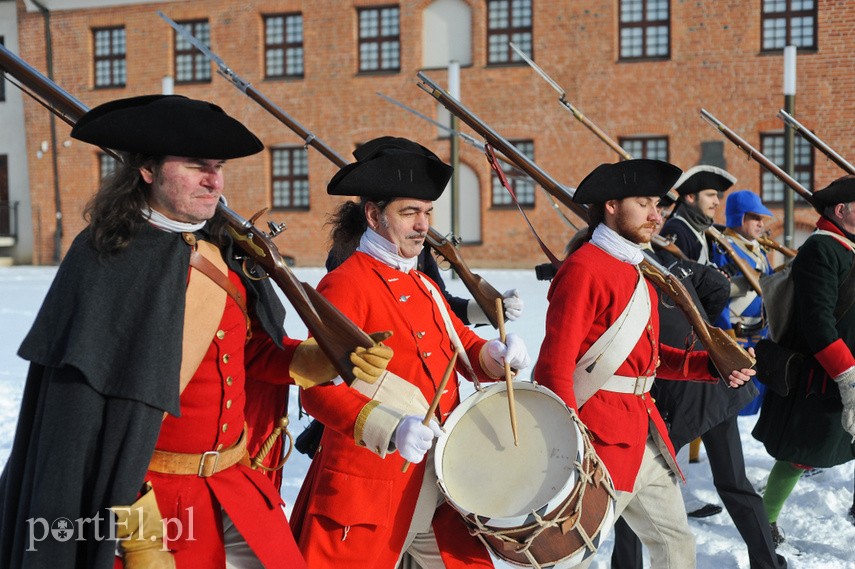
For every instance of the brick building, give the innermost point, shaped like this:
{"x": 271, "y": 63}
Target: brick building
{"x": 640, "y": 69}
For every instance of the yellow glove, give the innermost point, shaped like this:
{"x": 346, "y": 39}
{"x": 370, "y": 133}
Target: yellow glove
{"x": 139, "y": 528}
{"x": 310, "y": 366}
{"x": 370, "y": 363}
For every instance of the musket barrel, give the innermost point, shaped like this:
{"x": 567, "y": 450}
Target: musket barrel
{"x": 816, "y": 142}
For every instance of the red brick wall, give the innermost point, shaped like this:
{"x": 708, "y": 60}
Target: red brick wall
{"x": 715, "y": 63}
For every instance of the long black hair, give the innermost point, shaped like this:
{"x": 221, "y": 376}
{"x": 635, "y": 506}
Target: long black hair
{"x": 348, "y": 223}
{"x": 115, "y": 212}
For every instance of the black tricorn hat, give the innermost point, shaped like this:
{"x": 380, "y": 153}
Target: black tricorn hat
{"x": 629, "y": 178}
{"x": 166, "y": 125}
{"x": 704, "y": 177}
{"x": 389, "y": 167}
{"x": 841, "y": 190}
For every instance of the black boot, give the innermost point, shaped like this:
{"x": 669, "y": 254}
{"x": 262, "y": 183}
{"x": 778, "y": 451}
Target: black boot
{"x": 777, "y": 535}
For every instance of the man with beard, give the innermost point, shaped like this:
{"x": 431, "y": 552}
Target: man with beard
{"x": 700, "y": 189}
{"x": 356, "y": 507}
{"x": 601, "y": 351}
{"x": 142, "y": 357}
{"x": 814, "y": 424}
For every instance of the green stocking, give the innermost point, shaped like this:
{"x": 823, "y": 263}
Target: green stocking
{"x": 782, "y": 480}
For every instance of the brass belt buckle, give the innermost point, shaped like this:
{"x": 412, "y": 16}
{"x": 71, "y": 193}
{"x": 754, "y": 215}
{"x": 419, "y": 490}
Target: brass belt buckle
{"x": 635, "y": 390}
{"x": 203, "y": 462}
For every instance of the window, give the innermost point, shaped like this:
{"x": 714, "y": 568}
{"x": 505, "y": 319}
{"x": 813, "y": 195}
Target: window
{"x": 191, "y": 65}
{"x": 290, "y": 178}
{"x": 508, "y": 21}
{"x": 651, "y": 147}
{"x": 110, "y": 50}
{"x": 789, "y": 22}
{"x": 379, "y": 39}
{"x": 446, "y": 34}
{"x": 772, "y": 146}
{"x": 523, "y": 188}
{"x": 645, "y": 29}
{"x": 283, "y": 46}
{"x": 106, "y": 165}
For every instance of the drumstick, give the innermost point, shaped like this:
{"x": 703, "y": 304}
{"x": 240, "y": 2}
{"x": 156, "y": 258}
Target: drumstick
{"x": 500, "y": 316}
{"x": 435, "y": 403}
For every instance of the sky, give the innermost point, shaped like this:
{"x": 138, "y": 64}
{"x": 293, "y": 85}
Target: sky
{"x": 814, "y": 519}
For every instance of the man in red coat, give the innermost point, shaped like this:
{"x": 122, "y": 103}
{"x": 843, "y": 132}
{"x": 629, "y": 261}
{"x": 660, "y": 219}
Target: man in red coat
{"x": 140, "y": 358}
{"x": 356, "y": 507}
{"x": 601, "y": 352}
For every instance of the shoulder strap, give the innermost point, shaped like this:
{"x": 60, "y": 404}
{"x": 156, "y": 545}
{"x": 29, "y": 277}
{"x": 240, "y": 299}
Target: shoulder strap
{"x": 611, "y": 349}
{"x": 462, "y": 356}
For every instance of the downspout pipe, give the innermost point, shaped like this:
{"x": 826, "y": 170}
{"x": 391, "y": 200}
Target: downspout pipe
{"x": 57, "y": 196}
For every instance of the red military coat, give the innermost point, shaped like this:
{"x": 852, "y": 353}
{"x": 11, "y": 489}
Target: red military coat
{"x": 212, "y": 418}
{"x": 590, "y": 291}
{"x": 355, "y": 508}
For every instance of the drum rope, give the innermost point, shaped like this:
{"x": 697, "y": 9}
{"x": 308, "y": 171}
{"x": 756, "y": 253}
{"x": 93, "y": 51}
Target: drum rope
{"x": 586, "y": 478}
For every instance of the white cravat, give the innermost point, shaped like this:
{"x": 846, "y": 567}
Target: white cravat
{"x": 612, "y": 243}
{"x": 374, "y": 244}
{"x": 162, "y": 222}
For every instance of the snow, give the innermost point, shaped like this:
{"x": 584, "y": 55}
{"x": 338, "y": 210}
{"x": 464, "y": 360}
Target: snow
{"x": 814, "y": 519}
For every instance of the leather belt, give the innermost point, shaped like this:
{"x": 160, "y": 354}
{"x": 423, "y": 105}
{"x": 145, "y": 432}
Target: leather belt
{"x": 624, "y": 384}
{"x": 204, "y": 464}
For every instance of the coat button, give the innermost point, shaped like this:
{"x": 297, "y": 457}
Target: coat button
{"x": 225, "y": 427}
{"x": 221, "y": 334}
{"x": 229, "y": 404}
{"x": 426, "y": 354}
{"x": 403, "y": 298}
{"x": 420, "y": 334}
{"x": 229, "y": 380}
{"x": 226, "y": 358}
{"x": 220, "y": 446}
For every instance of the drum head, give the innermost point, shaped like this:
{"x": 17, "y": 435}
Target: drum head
{"x": 482, "y": 472}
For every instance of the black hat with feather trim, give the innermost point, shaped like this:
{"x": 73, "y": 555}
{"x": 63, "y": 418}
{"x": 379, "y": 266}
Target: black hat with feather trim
{"x": 166, "y": 125}
{"x": 640, "y": 177}
{"x": 390, "y": 167}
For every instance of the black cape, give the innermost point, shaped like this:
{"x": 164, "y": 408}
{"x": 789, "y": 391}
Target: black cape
{"x": 105, "y": 353}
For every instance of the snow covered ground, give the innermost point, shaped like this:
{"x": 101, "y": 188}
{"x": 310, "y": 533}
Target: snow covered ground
{"x": 819, "y": 534}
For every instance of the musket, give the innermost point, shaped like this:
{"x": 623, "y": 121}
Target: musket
{"x": 336, "y": 335}
{"x": 474, "y": 142}
{"x": 758, "y": 156}
{"x": 752, "y": 277}
{"x": 816, "y": 142}
{"x": 658, "y": 241}
{"x": 724, "y": 352}
{"x": 770, "y": 243}
{"x": 477, "y": 289}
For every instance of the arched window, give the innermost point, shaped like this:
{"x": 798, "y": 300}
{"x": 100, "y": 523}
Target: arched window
{"x": 446, "y": 34}
{"x": 469, "y": 202}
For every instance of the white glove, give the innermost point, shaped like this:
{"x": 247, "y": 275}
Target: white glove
{"x": 846, "y": 384}
{"x": 513, "y": 351}
{"x": 513, "y": 304}
{"x": 413, "y": 440}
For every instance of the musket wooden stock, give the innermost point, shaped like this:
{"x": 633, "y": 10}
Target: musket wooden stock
{"x": 482, "y": 291}
{"x": 770, "y": 243}
{"x": 722, "y": 348}
{"x": 336, "y": 335}
{"x": 719, "y": 344}
{"x": 752, "y": 277}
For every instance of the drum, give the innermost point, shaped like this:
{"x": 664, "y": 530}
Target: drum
{"x": 548, "y": 502}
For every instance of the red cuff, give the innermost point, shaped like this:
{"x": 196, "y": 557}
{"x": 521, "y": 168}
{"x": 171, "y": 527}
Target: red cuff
{"x": 835, "y": 358}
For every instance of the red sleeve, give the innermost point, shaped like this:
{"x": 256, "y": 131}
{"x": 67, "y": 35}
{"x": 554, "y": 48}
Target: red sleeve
{"x": 267, "y": 362}
{"x": 574, "y": 304}
{"x": 676, "y": 363}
